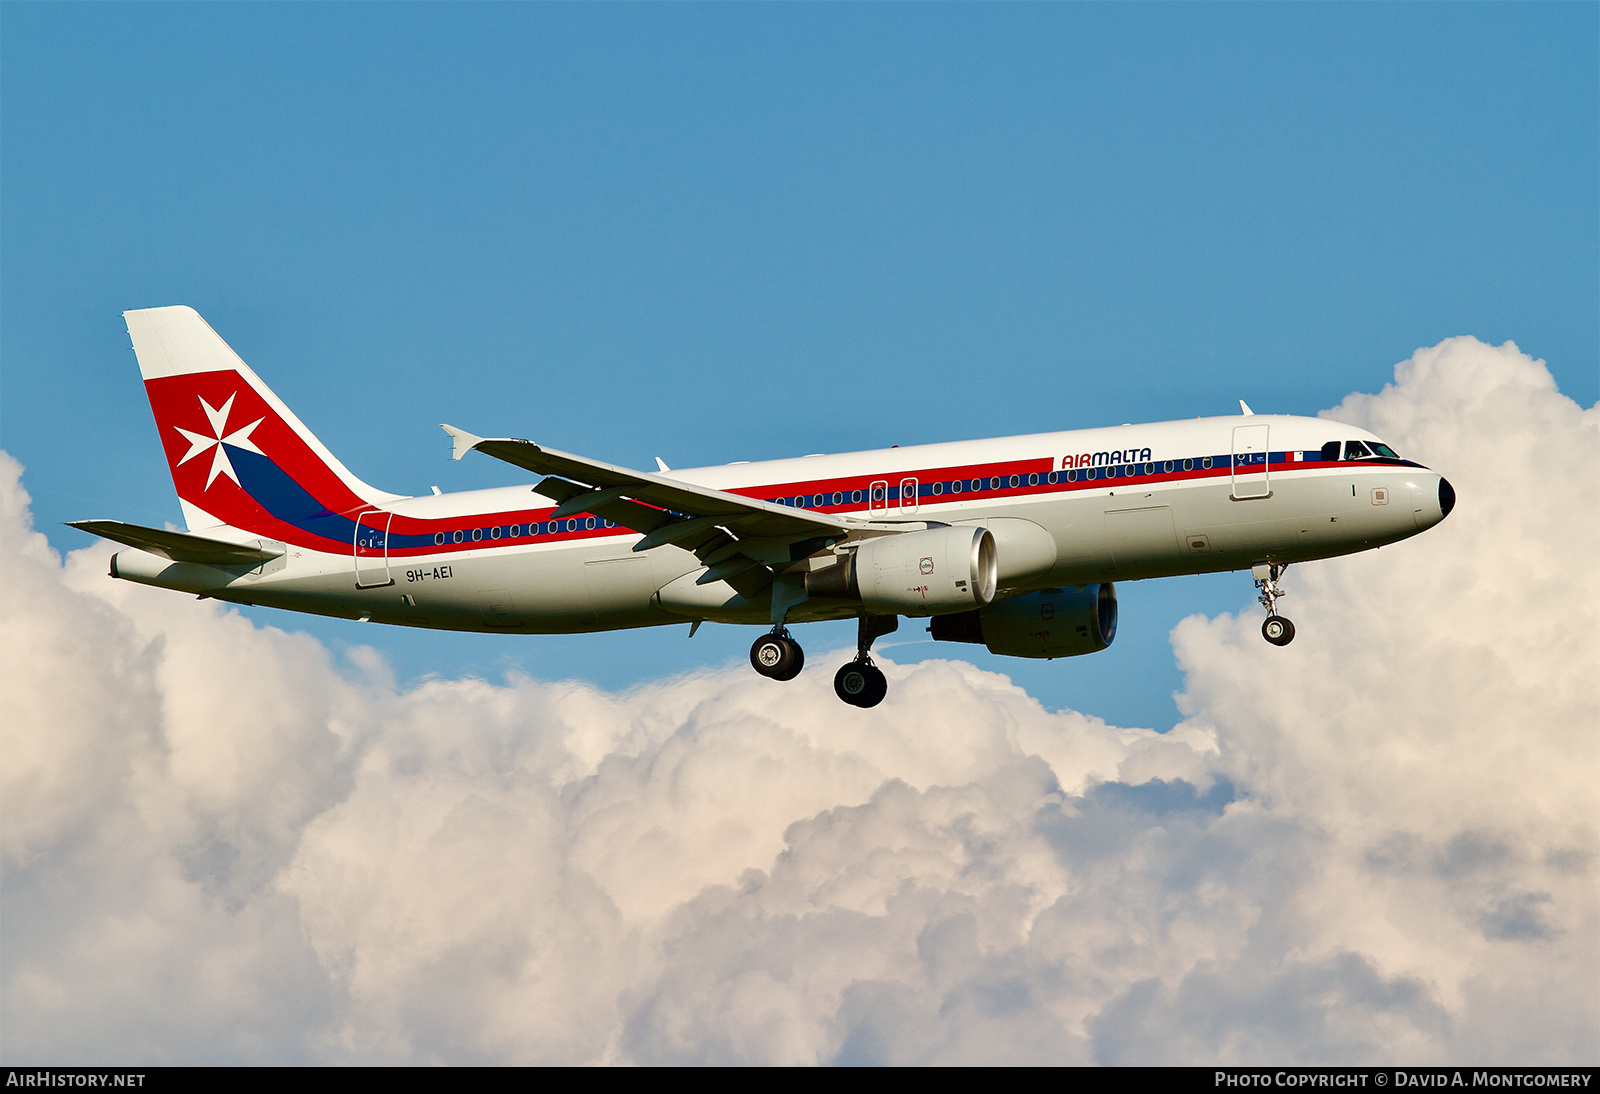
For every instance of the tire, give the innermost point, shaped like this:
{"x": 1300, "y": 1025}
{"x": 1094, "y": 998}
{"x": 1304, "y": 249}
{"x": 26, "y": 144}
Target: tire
{"x": 776, "y": 657}
{"x": 1277, "y": 630}
{"x": 797, "y": 656}
{"x": 860, "y": 684}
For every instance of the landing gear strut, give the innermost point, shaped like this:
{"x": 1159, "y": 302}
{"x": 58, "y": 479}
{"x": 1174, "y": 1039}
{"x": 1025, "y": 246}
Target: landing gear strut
{"x": 1277, "y": 630}
{"x": 777, "y": 656}
{"x": 861, "y": 683}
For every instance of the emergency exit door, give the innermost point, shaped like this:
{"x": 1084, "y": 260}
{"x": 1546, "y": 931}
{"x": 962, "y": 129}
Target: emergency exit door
{"x": 372, "y": 549}
{"x": 1250, "y": 469}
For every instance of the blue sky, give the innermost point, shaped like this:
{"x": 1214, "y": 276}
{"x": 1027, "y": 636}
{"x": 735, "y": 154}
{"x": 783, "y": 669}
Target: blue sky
{"x": 714, "y": 233}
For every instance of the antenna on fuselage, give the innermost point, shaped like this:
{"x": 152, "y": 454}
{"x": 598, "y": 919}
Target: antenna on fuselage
{"x": 1245, "y": 407}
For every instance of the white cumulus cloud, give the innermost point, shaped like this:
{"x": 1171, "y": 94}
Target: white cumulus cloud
{"x": 1380, "y": 843}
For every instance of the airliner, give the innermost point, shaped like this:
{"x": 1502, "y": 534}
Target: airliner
{"x": 1015, "y": 543}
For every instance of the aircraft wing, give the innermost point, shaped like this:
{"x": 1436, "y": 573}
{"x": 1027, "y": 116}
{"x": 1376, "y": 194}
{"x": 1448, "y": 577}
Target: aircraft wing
{"x": 178, "y": 546}
{"x": 609, "y": 484}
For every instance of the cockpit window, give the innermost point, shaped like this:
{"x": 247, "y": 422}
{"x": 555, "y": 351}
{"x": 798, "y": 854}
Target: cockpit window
{"x": 1330, "y": 451}
{"x": 1381, "y": 449}
{"x": 1355, "y": 450}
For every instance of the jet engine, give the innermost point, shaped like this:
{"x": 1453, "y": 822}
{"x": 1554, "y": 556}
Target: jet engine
{"x": 1051, "y": 623}
{"x": 914, "y": 573}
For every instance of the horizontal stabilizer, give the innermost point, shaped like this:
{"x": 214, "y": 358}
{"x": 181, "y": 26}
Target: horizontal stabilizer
{"x": 178, "y": 546}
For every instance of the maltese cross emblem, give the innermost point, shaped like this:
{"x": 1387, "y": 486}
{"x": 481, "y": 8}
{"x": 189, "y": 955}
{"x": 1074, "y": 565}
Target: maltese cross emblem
{"x": 239, "y": 438}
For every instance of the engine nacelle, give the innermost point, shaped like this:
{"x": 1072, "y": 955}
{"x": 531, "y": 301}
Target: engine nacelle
{"x": 1052, "y": 623}
{"x": 914, "y": 573}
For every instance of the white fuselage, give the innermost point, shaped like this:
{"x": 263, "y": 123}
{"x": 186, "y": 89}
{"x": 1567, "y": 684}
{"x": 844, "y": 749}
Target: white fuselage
{"x": 1157, "y": 517}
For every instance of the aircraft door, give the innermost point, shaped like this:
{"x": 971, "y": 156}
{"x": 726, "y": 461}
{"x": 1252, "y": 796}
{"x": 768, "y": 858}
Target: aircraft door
{"x": 908, "y": 495}
{"x": 878, "y": 497}
{"x": 372, "y": 549}
{"x": 1250, "y": 476}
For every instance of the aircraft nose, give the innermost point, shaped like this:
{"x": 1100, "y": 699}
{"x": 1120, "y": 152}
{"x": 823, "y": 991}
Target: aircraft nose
{"x": 1447, "y": 497}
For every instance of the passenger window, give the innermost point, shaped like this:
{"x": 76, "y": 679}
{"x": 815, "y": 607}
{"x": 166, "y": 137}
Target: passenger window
{"x": 1355, "y": 450}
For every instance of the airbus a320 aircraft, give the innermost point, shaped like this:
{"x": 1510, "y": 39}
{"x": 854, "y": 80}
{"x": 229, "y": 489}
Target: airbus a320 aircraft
{"x": 1015, "y": 543}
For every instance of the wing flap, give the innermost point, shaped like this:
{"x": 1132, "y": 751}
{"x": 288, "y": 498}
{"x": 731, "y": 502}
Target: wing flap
{"x": 178, "y": 546}
{"x": 629, "y": 514}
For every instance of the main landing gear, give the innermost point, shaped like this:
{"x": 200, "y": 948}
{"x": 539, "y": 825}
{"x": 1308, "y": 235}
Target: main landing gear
{"x": 861, "y": 683}
{"x": 1277, "y": 630}
{"x": 777, "y": 656}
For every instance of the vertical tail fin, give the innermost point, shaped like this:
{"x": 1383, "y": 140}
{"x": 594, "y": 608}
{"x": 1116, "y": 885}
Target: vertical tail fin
{"x": 238, "y": 455}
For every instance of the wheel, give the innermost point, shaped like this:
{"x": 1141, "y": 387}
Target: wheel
{"x": 860, "y": 684}
{"x": 798, "y": 661}
{"x": 777, "y": 657}
{"x": 1277, "y": 630}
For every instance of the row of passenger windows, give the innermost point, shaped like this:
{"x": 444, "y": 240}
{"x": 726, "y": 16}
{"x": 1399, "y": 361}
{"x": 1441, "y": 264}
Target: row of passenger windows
{"x": 995, "y": 482}
{"x": 1353, "y": 450}
{"x": 512, "y": 531}
{"x": 816, "y": 501}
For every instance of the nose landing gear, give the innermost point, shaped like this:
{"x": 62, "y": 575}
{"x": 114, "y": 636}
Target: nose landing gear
{"x": 1277, "y": 630}
{"x": 777, "y": 656}
{"x": 861, "y": 683}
